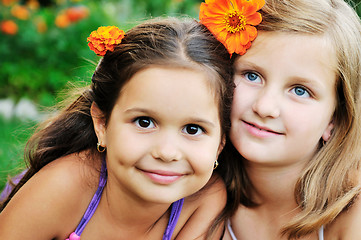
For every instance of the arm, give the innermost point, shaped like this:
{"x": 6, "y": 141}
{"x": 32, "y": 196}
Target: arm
{"x": 44, "y": 208}
{"x": 204, "y": 207}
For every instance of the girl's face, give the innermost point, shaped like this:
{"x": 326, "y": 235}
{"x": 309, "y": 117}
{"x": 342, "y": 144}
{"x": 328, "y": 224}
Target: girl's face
{"x": 284, "y": 99}
{"x": 163, "y": 135}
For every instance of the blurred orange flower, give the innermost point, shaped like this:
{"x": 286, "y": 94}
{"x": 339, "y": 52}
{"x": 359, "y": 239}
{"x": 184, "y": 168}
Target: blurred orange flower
{"x": 8, "y": 2}
{"x": 8, "y": 27}
{"x": 62, "y": 20}
{"x": 33, "y": 4}
{"x": 105, "y": 39}
{"x": 41, "y": 26}
{"x": 77, "y": 13}
{"x": 232, "y": 22}
{"x": 20, "y": 12}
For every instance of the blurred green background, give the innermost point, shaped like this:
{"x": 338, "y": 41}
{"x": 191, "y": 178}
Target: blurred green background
{"x": 43, "y": 51}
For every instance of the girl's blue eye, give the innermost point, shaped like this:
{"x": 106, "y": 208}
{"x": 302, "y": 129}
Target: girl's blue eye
{"x": 253, "y": 77}
{"x": 193, "y": 129}
{"x": 144, "y": 122}
{"x": 301, "y": 92}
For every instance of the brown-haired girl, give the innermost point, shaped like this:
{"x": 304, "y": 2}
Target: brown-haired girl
{"x": 120, "y": 161}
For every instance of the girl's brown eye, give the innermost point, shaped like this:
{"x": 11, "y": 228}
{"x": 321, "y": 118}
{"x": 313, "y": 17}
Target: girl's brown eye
{"x": 144, "y": 122}
{"x": 193, "y": 129}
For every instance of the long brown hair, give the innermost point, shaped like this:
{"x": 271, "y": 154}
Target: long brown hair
{"x": 327, "y": 185}
{"x": 163, "y": 42}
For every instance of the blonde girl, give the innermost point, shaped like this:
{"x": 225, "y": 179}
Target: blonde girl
{"x": 292, "y": 163}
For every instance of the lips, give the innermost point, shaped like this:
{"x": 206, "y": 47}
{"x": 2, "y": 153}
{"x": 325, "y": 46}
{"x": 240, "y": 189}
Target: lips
{"x": 162, "y": 177}
{"x": 260, "y": 131}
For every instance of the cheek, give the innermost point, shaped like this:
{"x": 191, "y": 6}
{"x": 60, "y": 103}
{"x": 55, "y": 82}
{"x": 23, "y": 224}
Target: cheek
{"x": 124, "y": 146}
{"x": 236, "y": 105}
{"x": 241, "y": 100}
{"x": 306, "y": 127}
{"x": 202, "y": 159}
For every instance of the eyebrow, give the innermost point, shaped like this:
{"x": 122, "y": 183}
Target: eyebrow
{"x": 244, "y": 64}
{"x": 150, "y": 112}
{"x": 141, "y": 110}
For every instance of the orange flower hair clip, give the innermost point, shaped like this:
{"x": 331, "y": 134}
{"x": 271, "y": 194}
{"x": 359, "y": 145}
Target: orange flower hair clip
{"x": 232, "y": 22}
{"x": 105, "y": 39}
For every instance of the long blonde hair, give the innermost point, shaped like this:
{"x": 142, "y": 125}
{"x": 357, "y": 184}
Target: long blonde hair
{"x": 328, "y": 184}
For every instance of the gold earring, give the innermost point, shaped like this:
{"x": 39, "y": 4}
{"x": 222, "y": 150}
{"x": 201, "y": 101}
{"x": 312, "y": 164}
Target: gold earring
{"x": 215, "y": 165}
{"x": 100, "y": 148}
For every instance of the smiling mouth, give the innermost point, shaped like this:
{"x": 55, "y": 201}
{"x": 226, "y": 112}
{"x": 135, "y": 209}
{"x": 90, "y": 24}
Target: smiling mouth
{"x": 261, "y": 129}
{"x": 162, "y": 177}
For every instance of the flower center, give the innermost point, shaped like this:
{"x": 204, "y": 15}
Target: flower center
{"x": 235, "y": 22}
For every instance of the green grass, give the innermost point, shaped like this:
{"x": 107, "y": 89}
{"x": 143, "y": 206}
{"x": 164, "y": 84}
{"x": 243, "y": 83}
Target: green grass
{"x": 13, "y": 136}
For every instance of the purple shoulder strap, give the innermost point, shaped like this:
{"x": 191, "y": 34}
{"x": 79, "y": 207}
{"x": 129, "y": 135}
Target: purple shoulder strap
{"x": 94, "y": 202}
{"x": 173, "y": 219}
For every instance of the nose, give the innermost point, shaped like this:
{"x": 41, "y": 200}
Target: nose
{"x": 167, "y": 147}
{"x": 267, "y": 103}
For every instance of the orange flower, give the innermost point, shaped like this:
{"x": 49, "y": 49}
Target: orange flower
{"x": 8, "y": 27}
{"x": 20, "y": 12}
{"x": 41, "y": 26}
{"x": 62, "y": 20}
{"x": 232, "y": 22}
{"x": 33, "y": 4}
{"x": 77, "y": 13}
{"x": 8, "y": 2}
{"x": 105, "y": 39}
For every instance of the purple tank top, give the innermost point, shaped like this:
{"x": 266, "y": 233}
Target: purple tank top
{"x": 173, "y": 219}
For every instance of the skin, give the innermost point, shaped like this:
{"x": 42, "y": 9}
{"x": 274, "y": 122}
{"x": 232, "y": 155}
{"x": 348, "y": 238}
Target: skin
{"x": 283, "y": 83}
{"x": 166, "y": 144}
{"x": 159, "y": 149}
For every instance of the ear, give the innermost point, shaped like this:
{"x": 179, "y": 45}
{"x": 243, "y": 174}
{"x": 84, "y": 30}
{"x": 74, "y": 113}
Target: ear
{"x": 327, "y": 133}
{"x": 221, "y": 145}
{"x": 99, "y": 123}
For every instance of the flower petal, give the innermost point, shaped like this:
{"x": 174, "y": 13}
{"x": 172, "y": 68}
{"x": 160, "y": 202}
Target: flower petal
{"x": 252, "y": 32}
{"x": 232, "y": 21}
{"x": 254, "y": 19}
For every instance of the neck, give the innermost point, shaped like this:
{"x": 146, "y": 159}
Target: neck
{"x": 274, "y": 185}
{"x": 273, "y": 190}
{"x": 127, "y": 213}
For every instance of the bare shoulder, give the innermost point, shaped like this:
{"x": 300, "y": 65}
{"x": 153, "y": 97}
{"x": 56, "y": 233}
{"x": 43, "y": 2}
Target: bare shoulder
{"x": 349, "y": 221}
{"x": 201, "y": 209}
{"x": 347, "y": 224}
{"x": 214, "y": 192}
{"x": 55, "y": 197}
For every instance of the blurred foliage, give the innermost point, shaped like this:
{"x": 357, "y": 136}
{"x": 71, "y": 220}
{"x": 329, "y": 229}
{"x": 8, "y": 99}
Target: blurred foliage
{"x": 12, "y": 141}
{"x": 43, "y": 43}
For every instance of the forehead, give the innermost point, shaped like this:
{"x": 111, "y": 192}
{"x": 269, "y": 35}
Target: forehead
{"x": 160, "y": 81}
{"x": 210, "y": 77}
{"x": 284, "y": 43}
{"x": 293, "y": 53}
{"x": 170, "y": 93}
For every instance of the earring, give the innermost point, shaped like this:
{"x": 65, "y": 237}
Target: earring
{"x": 325, "y": 141}
{"x": 100, "y": 148}
{"x": 215, "y": 165}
